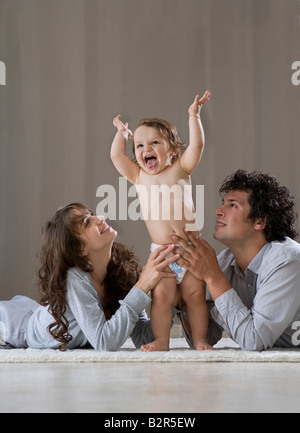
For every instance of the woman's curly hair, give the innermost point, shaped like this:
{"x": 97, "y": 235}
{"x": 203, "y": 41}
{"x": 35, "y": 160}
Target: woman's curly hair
{"x": 61, "y": 250}
{"x": 268, "y": 200}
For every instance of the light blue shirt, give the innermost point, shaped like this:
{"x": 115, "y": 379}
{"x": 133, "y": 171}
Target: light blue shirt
{"x": 87, "y": 322}
{"x": 263, "y": 307}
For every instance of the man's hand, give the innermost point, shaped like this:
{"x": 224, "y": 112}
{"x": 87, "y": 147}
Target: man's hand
{"x": 201, "y": 260}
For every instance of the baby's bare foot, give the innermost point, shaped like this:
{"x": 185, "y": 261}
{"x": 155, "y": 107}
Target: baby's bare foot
{"x": 202, "y": 345}
{"x": 156, "y": 346}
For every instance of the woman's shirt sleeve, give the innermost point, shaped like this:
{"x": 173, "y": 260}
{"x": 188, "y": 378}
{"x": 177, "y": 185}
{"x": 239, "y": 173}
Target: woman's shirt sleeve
{"x": 105, "y": 335}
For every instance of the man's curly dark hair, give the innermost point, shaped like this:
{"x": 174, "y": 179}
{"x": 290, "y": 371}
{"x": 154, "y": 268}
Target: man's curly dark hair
{"x": 267, "y": 199}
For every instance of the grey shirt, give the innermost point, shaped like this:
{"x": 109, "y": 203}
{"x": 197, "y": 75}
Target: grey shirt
{"x": 87, "y": 322}
{"x": 261, "y": 309}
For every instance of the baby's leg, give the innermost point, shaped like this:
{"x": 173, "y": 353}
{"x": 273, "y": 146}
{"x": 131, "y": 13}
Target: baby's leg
{"x": 161, "y": 314}
{"x": 193, "y": 293}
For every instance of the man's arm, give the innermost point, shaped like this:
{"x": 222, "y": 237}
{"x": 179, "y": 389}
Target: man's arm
{"x": 125, "y": 166}
{"x": 275, "y": 305}
{"x": 192, "y": 155}
{"x": 274, "y": 309}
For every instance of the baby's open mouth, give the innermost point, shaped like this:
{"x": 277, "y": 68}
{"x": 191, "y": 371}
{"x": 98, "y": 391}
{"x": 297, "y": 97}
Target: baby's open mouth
{"x": 151, "y": 162}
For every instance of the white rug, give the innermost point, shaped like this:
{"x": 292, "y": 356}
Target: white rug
{"x": 225, "y": 351}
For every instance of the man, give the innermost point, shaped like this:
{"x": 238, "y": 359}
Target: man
{"x": 255, "y": 282}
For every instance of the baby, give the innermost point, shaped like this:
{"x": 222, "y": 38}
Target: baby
{"x": 161, "y": 174}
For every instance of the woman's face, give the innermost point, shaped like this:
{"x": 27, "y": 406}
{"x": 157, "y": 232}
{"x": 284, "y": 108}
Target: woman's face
{"x": 96, "y": 234}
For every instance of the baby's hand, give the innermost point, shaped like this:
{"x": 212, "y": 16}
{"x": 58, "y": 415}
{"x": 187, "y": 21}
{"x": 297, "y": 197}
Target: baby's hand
{"x": 121, "y": 126}
{"x": 198, "y": 103}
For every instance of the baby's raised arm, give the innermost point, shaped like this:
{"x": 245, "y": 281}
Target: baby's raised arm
{"x": 191, "y": 157}
{"x": 125, "y": 166}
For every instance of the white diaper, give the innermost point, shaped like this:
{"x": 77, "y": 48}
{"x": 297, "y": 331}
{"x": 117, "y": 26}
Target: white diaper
{"x": 175, "y": 268}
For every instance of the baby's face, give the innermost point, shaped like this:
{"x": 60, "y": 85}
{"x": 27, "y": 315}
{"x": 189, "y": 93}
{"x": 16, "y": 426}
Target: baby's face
{"x": 152, "y": 151}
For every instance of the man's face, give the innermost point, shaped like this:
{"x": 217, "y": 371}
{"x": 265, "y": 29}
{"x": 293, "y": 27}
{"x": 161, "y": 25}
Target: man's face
{"x": 233, "y": 225}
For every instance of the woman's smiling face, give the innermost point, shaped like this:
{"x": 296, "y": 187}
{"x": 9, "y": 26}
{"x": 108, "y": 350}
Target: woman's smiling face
{"x": 95, "y": 232}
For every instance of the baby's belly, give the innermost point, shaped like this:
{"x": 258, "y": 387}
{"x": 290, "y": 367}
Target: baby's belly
{"x": 161, "y": 232}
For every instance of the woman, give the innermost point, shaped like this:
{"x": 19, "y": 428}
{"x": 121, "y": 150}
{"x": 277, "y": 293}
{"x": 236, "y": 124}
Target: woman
{"x": 92, "y": 293}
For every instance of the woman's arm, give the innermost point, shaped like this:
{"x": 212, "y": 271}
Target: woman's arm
{"x": 110, "y": 335}
{"x": 103, "y": 334}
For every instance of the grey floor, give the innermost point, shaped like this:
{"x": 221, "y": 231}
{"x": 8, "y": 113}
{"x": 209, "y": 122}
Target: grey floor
{"x": 150, "y": 388}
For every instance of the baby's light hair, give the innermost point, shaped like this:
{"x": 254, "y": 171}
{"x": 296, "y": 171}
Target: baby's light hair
{"x": 166, "y": 130}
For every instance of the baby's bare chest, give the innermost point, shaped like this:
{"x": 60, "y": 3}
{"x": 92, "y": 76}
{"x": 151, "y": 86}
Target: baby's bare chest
{"x": 168, "y": 177}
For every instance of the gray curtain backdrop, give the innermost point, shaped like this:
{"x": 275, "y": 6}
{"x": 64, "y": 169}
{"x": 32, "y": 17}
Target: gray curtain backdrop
{"x": 71, "y": 65}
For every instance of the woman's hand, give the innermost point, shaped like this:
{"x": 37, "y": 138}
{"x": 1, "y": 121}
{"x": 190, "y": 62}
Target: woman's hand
{"x": 157, "y": 268}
